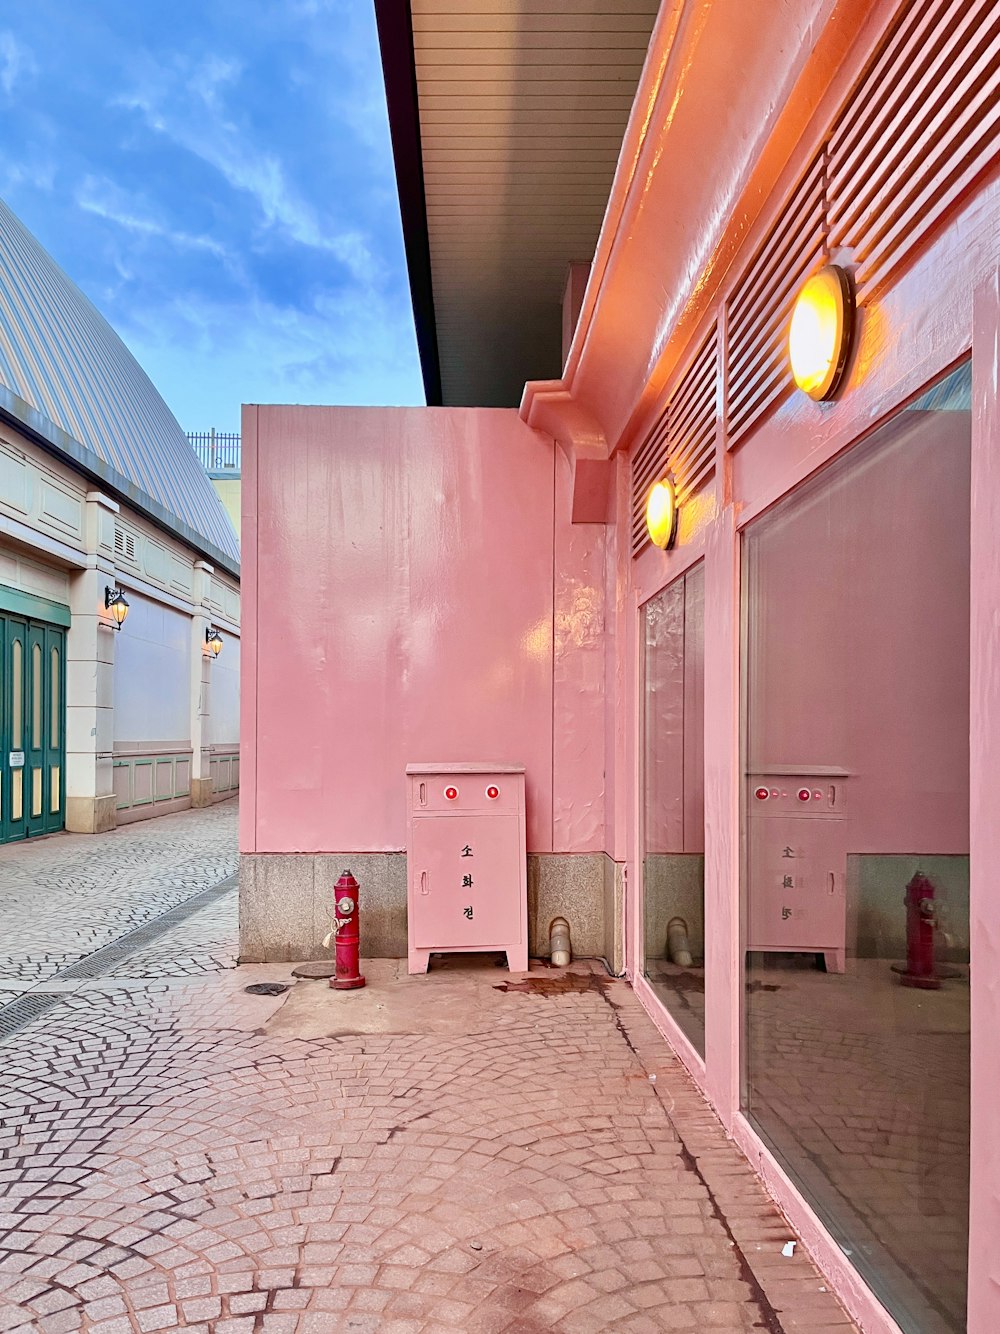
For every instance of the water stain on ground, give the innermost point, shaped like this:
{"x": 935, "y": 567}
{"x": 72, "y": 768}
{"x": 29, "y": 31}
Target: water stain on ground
{"x": 563, "y": 984}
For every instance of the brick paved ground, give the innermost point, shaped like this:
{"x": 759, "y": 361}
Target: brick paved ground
{"x": 427, "y": 1154}
{"x": 63, "y": 897}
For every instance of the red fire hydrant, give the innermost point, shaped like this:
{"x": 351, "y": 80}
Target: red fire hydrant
{"x": 348, "y": 938}
{"x": 921, "y": 923}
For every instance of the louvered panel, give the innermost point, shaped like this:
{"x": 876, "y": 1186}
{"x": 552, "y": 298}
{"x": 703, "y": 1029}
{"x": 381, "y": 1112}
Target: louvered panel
{"x": 682, "y": 440}
{"x": 923, "y": 123}
{"x": 648, "y": 466}
{"x": 691, "y": 420}
{"x": 760, "y": 307}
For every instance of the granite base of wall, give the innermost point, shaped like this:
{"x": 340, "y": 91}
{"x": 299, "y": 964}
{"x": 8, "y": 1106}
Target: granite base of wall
{"x": 286, "y": 904}
{"x": 90, "y": 815}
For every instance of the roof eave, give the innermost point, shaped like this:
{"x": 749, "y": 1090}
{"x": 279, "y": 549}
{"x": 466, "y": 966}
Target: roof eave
{"x": 395, "y": 34}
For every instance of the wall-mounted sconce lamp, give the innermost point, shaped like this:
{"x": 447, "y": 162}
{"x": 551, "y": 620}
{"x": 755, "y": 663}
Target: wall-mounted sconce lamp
{"x": 821, "y": 332}
{"x": 213, "y": 641}
{"x": 661, "y": 513}
{"x": 115, "y": 602}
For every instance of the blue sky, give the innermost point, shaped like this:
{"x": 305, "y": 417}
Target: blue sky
{"x": 217, "y": 177}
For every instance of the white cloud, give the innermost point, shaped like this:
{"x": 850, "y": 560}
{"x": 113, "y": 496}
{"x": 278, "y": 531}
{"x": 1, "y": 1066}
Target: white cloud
{"x": 39, "y": 174}
{"x": 206, "y": 131}
{"x": 106, "y": 200}
{"x": 347, "y": 348}
{"x": 16, "y": 62}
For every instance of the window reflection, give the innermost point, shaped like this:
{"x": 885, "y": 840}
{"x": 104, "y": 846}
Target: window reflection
{"x": 674, "y": 822}
{"x": 856, "y": 850}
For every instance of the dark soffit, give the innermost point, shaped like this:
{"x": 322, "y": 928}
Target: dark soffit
{"x": 395, "y": 35}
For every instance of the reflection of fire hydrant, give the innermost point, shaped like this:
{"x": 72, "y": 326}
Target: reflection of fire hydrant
{"x": 348, "y": 937}
{"x": 921, "y": 923}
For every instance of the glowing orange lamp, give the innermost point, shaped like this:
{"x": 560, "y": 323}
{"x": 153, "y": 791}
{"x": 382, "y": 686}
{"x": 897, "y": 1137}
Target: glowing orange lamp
{"x": 661, "y": 513}
{"x": 821, "y": 332}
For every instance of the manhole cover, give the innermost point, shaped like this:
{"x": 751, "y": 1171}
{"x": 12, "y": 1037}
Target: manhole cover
{"x": 321, "y": 968}
{"x": 266, "y": 988}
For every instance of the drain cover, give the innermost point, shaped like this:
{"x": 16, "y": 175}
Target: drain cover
{"x": 321, "y": 968}
{"x": 266, "y": 988}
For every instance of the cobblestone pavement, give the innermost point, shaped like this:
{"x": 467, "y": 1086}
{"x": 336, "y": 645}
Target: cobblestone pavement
{"x": 63, "y": 897}
{"x": 449, "y": 1152}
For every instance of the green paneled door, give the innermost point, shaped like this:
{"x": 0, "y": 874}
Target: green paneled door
{"x": 32, "y": 727}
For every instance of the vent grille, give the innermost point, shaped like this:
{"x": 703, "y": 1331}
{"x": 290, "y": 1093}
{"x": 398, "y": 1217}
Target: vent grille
{"x": 682, "y": 440}
{"x": 920, "y": 127}
{"x": 124, "y": 544}
{"x": 761, "y": 305}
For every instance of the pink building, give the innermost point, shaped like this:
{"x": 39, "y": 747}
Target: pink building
{"x": 761, "y": 762}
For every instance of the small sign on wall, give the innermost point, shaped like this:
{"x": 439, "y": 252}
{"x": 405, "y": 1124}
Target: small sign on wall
{"x": 16, "y": 759}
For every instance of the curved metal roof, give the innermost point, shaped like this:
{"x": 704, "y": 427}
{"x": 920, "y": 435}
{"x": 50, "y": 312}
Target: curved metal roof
{"x": 70, "y": 381}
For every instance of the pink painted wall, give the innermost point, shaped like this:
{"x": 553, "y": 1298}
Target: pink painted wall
{"x": 579, "y": 637}
{"x": 418, "y": 595}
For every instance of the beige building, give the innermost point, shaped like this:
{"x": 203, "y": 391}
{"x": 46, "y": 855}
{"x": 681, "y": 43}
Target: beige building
{"x": 106, "y": 515}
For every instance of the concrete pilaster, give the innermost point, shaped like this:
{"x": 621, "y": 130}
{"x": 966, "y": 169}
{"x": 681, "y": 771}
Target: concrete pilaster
{"x": 90, "y": 664}
{"x": 201, "y": 684}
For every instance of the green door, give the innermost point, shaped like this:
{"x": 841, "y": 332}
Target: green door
{"x": 32, "y": 723}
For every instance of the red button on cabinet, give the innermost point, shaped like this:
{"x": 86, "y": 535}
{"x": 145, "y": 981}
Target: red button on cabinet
{"x": 466, "y": 864}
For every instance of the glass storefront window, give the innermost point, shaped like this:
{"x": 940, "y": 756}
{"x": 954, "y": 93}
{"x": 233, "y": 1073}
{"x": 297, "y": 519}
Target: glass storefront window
{"x": 673, "y": 870}
{"x": 856, "y": 842}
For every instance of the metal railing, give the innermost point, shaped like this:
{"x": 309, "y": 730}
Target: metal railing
{"x": 218, "y": 451}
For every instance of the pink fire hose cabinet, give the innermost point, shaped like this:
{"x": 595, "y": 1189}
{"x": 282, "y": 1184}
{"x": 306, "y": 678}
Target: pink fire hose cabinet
{"x": 466, "y": 862}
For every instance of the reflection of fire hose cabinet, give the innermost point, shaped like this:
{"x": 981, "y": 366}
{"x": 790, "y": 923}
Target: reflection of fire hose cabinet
{"x": 797, "y": 833}
{"x": 466, "y": 864}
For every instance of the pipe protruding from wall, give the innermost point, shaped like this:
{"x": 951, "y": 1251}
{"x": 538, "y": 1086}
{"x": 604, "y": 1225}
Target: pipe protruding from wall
{"x": 560, "y": 950}
{"x": 678, "y": 945}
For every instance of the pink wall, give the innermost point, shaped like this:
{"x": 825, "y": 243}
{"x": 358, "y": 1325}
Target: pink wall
{"x": 579, "y": 637}
{"x": 406, "y": 608}
{"x": 652, "y": 283}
